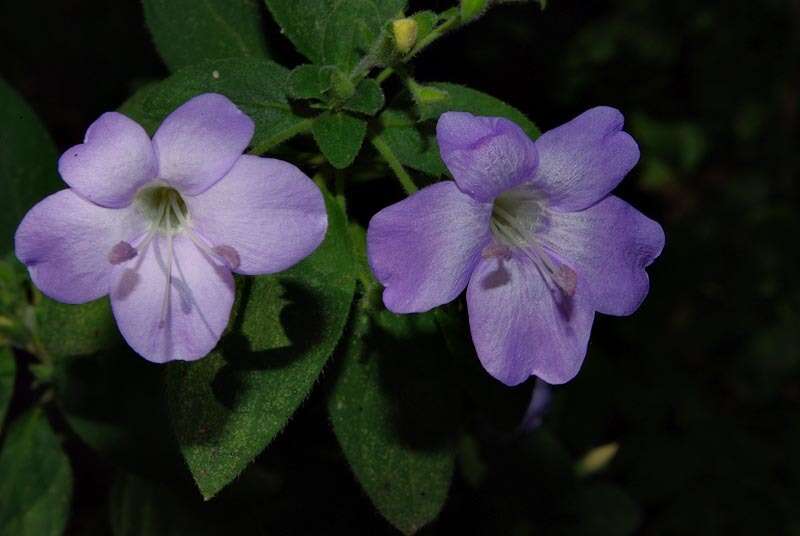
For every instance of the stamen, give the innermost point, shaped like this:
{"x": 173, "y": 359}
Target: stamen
{"x": 121, "y": 252}
{"x": 506, "y": 227}
{"x": 230, "y": 255}
{"x": 167, "y": 290}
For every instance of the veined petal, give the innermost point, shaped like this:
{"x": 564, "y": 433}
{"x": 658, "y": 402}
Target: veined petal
{"x": 64, "y": 240}
{"x": 200, "y": 141}
{"x": 197, "y": 309}
{"x": 424, "y": 248}
{"x": 581, "y": 161}
{"x": 114, "y": 161}
{"x": 609, "y": 244}
{"x": 519, "y": 328}
{"x": 267, "y": 210}
{"x": 486, "y": 155}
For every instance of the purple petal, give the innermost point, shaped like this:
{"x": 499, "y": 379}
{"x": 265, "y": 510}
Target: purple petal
{"x": 65, "y": 241}
{"x": 424, "y": 248}
{"x": 200, "y": 141}
{"x": 519, "y": 329}
{"x": 198, "y": 307}
{"x": 580, "y": 162}
{"x": 609, "y": 244}
{"x": 267, "y": 211}
{"x": 486, "y": 155}
{"x": 113, "y": 162}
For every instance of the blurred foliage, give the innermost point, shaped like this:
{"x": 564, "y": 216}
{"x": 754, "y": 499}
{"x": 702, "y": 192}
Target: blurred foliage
{"x": 699, "y": 389}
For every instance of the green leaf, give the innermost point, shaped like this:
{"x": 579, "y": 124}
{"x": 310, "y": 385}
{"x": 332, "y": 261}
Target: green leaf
{"x": 368, "y": 98}
{"x": 229, "y": 406}
{"x": 66, "y": 329}
{"x": 309, "y": 81}
{"x": 395, "y": 413}
{"x": 114, "y": 401}
{"x": 334, "y": 32}
{"x": 36, "y": 483}
{"x": 190, "y": 31}
{"x": 257, "y": 86}
{"x": 413, "y": 143}
{"x": 8, "y": 370}
{"x": 464, "y": 99}
{"x": 339, "y": 137}
{"x": 27, "y": 163}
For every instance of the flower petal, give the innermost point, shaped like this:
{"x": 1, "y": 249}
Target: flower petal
{"x": 609, "y": 244}
{"x": 519, "y": 329}
{"x": 200, "y": 141}
{"x": 113, "y": 162}
{"x": 64, "y": 240}
{"x": 424, "y": 248}
{"x": 486, "y": 155}
{"x": 581, "y": 161}
{"x": 198, "y": 307}
{"x": 267, "y": 210}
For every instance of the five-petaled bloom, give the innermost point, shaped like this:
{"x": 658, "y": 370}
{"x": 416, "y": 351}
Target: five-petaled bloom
{"x": 529, "y": 228}
{"x": 159, "y": 225}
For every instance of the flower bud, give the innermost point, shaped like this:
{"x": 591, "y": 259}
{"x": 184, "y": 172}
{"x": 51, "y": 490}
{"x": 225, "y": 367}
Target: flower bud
{"x": 471, "y": 9}
{"x": 426, "y": 95}
{"x": 405, "y": 34}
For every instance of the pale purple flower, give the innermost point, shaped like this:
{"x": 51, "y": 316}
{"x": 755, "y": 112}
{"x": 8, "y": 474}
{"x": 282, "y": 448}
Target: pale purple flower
{"x": 159, "y": 225}
{"x": 530, "y": 230}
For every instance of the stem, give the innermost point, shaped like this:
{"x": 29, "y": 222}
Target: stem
{"x": 299, "y": 128}
{"x": 402, "y": 175}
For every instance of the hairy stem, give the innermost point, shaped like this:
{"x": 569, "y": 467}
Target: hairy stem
{"x": 402, "y": 175}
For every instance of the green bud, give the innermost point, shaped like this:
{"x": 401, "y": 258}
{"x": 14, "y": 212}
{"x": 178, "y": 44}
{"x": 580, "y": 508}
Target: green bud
{"x": 472, "y": 9}
{"x": 426, "y": 95}
{"x": 405, "y": 34}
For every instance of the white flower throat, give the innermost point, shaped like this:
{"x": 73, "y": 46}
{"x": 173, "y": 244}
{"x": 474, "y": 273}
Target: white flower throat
{"x": 168, "y": 215}
{"x": 517, "y": 216}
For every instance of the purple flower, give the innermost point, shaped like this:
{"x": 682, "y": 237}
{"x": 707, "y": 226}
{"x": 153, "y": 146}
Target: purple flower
{"x": 159, "y": 225}
{"x": 530, "y": 230}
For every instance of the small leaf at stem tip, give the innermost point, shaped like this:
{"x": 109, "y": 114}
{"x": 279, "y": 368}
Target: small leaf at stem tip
{"x": 367, "y": 99}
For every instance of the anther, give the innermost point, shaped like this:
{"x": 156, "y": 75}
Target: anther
{"x": 566, "y": 279}
{"x": 121, "y": 252}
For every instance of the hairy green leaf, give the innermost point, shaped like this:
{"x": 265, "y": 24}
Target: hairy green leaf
{"x": 334, "y": 32}
{"x": 414, "y": 142}
{"x": 396, "y": 414}
{"x": 67, "y": 329}
{"x": 339, "y": 137}
{"x": 8, "y": 370}
{"x": 36, "y": 482}
{"x": 309, "y": 81}
{"x": 229, "y": 406}
{"x": 464, "y": 99}
{"x": 190, "y": 31}
{"x": 27, "y": 163}
{"x": 257, "y": 86}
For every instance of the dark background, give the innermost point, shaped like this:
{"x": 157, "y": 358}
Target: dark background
{"x": 699, "y": 388}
